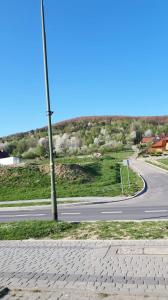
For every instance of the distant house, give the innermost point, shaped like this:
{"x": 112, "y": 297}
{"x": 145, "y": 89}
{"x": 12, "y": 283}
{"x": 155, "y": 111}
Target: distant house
{"x": 3, "y": 154}
{"x": 155, "y": 144}
{"x": 159, "y": 146}
{"x": 6, "y": 160}
{"x": 10, "y": 161}
{"x": 147, "y": 140}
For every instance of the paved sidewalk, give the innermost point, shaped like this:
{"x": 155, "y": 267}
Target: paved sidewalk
{"x": 83, "y": 270}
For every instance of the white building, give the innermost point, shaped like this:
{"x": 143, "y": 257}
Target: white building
{"x": 9, "y": 161}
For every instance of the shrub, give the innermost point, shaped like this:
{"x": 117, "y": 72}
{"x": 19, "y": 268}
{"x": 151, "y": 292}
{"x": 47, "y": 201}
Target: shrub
{"x": 29, "y": 155}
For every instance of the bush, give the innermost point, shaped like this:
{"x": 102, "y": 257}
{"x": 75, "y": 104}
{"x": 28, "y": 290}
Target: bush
{"x": 29, "y": 155}
{"x": 107, "y": 149}
{"x": 41, "y": 151}
{"x": 22, "y": 146}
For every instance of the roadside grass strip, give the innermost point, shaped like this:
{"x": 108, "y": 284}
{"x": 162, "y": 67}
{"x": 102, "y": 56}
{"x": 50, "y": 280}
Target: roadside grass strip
{"x": 95, "y": 230}
{"x": 101, "y": 178}
{"x": 159, "y": 163}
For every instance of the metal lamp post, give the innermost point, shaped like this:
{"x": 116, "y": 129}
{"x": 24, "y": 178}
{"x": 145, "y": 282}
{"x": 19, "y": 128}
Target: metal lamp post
{"x": 49, "y": 114}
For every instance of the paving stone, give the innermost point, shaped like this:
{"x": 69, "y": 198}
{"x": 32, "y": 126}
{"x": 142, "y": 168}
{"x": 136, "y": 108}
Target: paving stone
{"x": 130, "y": 251}
{"x": 93, "y": 268}
{"x": 156, "y": 250}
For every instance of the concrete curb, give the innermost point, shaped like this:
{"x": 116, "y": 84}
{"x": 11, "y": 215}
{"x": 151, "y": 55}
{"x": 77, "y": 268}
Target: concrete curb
{"x": 159, "y": 246}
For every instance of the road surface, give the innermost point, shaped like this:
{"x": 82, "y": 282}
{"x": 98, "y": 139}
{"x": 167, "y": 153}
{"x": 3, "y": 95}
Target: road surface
{"x": 151, "y": 205}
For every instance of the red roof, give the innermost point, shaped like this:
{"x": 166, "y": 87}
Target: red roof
{"x": 146, "y": 140}
{"x": 160, "y": 144}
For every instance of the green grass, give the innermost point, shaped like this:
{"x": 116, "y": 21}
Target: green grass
{"x": 158, "y": 163}
{"x": 164, "y": 161}
{"x": 96, "y": 230}
{"x": 106, "y": 179}
{"x": 24, "y": 183}
{"x": 119, "y": 156}
{"x": 103, "y": 179}
{"x": 136, "y": 183}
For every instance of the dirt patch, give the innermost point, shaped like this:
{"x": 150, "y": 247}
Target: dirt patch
{"x": 68, "y": 171}
{"x": 6, "y": 170}
{"x": 3, "y": 171}
{"x": 16, "y": 170}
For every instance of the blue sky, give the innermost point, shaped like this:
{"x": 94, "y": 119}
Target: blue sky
{"x": 106, "y": 57}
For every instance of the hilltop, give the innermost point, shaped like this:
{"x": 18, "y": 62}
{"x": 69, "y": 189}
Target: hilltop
{"x": 97, "y": 119}
{"x": 85, "y": 135}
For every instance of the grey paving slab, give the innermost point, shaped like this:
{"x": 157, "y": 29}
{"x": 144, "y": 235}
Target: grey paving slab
{"x": 91, "y": 269}
{"x": 70, "y": 295}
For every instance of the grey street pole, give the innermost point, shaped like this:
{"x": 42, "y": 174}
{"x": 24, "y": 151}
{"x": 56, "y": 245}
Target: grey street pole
{"x": 49, "y": 114}
{"x": 128, "y": 173}
{"x": 122, "y": 188}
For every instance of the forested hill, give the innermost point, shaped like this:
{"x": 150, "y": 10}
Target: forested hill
{"x": 85, "y": 135}
{"x": 162, "y": 119}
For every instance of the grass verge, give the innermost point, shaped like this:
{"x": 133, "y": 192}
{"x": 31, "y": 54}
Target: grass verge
{"x": 158, "y": 163}
{"x": 164, "y": 161}
{"x": 96, "y": 230}
{"x": 102, "y": 179}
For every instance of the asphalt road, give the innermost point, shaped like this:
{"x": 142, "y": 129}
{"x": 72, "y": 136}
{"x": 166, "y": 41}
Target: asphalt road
{"x": 151, "y": 205}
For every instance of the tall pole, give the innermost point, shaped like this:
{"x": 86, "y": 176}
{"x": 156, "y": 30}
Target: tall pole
{"x": 122, "y": 188}
{"x": 128, "y": 173}
{"x": 49, "y": 114}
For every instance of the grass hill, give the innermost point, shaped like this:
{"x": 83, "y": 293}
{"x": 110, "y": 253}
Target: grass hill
{"x": 75, "y": 176}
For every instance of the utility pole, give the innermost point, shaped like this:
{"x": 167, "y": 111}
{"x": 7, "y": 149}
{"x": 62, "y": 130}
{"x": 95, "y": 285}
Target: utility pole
{"x": 49, "y": 114}
{"x": 128, "y": 173}
{"x": 122, "y": 188}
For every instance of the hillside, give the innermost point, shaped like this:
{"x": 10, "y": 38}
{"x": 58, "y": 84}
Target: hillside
{"x": 85, "y": 135}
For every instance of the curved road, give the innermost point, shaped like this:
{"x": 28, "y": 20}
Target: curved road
{"x": 151, "y": 205}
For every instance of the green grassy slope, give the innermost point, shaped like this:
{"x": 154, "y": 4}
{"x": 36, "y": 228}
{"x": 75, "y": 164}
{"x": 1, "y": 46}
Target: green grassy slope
{"x": 102, "y": 179}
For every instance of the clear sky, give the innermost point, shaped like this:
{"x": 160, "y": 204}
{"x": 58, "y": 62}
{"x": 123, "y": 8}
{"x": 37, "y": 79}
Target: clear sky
{"x": 106, "y": 57}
